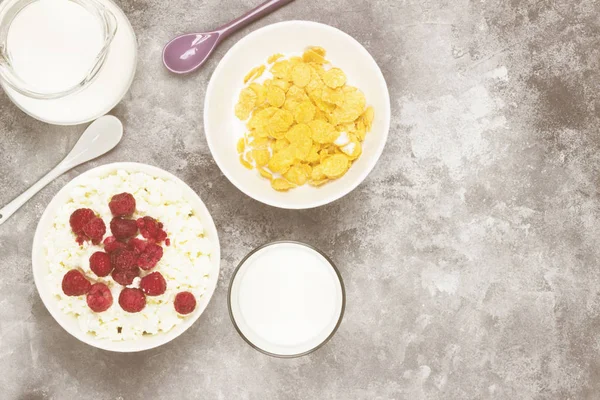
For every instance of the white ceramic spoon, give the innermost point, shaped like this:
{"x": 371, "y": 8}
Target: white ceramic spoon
{"x": 100, "y": 137}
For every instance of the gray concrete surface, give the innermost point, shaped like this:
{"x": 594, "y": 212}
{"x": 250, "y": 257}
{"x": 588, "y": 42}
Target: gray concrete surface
{"x": 470, "y": 254}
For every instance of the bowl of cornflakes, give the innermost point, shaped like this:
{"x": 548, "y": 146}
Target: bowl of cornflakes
{"x": 297, "y": 114}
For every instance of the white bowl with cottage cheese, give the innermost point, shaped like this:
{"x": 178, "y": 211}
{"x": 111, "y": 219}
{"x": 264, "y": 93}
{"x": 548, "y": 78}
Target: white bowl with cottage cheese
{"x": 190, "y": 263}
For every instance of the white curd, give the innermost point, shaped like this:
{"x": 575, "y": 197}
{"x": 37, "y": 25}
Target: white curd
{"x": 186, "y": 264}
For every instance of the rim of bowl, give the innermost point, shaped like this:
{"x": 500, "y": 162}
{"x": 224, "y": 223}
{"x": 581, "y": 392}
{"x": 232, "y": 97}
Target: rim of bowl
{"x": 365, "y": 172}
{"x": 58, "y": 315}
{"x": 335, "y": 328}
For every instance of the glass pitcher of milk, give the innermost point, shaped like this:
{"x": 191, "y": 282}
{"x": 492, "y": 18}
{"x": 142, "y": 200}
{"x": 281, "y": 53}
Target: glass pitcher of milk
{"x": 50, "y": 49}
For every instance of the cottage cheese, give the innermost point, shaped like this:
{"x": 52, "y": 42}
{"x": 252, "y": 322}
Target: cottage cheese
{"x": 186, "y": 264}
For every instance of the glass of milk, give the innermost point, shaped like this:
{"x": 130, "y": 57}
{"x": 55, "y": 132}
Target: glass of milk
{"x": 286, "y": 299}
{"x": 51, "y": 49}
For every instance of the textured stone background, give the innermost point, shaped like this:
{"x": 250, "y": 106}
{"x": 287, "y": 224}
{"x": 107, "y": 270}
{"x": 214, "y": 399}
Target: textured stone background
{"x": 470, "y": 254}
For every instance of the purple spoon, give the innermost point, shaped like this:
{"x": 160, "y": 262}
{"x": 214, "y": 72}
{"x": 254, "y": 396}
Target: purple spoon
{"x": 187, "y": 52}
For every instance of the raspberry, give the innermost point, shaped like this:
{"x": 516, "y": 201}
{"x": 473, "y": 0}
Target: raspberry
{"x": 99, "y": 298}
{"x": 137, "y": 245}
{"x": 100, "y": 263}
{"x": 79, "y": 219}
{"x": 148, "y": 226}
{"x": 74, "y": 283}
{"x": 162, "y": 235}
{"x": 150, "y": 256}
{"x": 122, "y": 205}
{"x": 95, "y": 230}
{"x": 132, "y": 300}
{"x": 125, "y": 277}
{"x": 185, "y": 303}
{"x": 111, "y": 244}
{"x": 153, "y": 284}
{"x": 123, "y": 260}
{"x": 151, "y": 229}
{"x": 123, "y": 228}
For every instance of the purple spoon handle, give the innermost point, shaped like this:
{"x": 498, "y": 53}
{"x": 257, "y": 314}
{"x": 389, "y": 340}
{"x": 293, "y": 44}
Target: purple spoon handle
{"x": 265, "y": 8}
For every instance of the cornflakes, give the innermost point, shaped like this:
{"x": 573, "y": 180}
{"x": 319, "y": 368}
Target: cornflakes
{"x": 314, "y": 54}
{"x": 254, "y": 73}
{"x": 301, "y": 75}
{"x": 275, "y": 96}
{"x": 333, "y": 96}
{"x": 334, "y": 78}
{"x": 245, "y": 163}
{"x": 296, "y": 93}
{"x": 246, "y": 103}
{"x": 278, "y": 124}
{"x": 282, "y": 70}
{"x": 261, "y": 92}
{"x": 297, "y": 132}
{"x": 265, "y": 174}
{"x": 317, "y": 173}
{"x": 261, "y": 143}
{"x": 281, "y": 185}
{"x": 241, "y": 145}
{"x": 281, "y": 144}
{"x": 261, "y": 157}
{"x": 368, "y": 117}
{"x": 302, "y": 147}
{"x": 305, "y": 124}
{"x": 274, "y": 58}
{"x": 320, "y": 115}
{"x": 323, "y": 132}
{"x": 280, "y": 83}
{"x": 305, "y": 112}
{"x": 361, "y": 130}
{"x": 318, "y": 182}
{"x": 282, "y": 160}
{"x": 335, "y": 166}
{"x": 297, "y": 175}
{"x": 313, "y": 154}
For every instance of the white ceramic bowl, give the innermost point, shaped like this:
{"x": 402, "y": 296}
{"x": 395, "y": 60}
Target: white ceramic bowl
{"x": 68, "y": 322}
{"x": 223, "y": 129}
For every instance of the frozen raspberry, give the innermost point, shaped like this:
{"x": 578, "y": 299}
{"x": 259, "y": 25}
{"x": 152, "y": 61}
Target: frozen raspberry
{"x": 123, "y": 260}
{"x": 185, "y": 302}
{"x": 74, "y": 283}
{"x": 125, "y": 277}
{"x": 99, "y": 297}
{"x": 123, "y": 228}
{"x": 151, "y": 229}
{"x": 137, "y": 245}
{"x": 153, "y": 284}
{"x": 79, "y": 219}
{"x": 148, "y": 226}
{"x": 122, "y": 205}
{"x": 132, "y": 300}
{"x": 150, "y": 256}
{"x": 100, "y": 263}
{"x": 111, "y": 244}
{"x": 161, "y": 236}
{"x": 95, "y": 230}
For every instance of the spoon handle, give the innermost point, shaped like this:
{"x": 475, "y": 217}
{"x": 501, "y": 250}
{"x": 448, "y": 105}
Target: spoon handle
{"x": 101, "y": 136}
{"x": 265, "y": 8}
{"x": 14, "y": 205}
